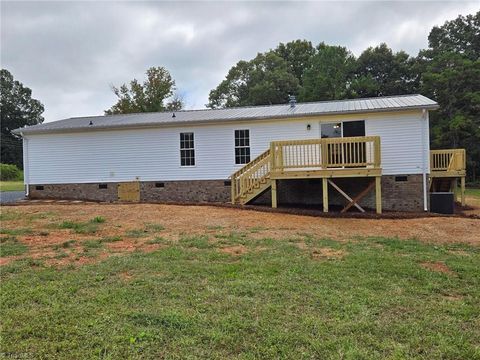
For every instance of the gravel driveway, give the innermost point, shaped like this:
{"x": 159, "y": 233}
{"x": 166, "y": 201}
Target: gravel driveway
{"x": 11, "y": 196}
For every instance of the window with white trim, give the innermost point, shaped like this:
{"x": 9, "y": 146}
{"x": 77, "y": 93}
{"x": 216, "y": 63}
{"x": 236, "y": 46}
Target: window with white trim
{"x": 187, "y": 149}
{"x": 242, "y": 146}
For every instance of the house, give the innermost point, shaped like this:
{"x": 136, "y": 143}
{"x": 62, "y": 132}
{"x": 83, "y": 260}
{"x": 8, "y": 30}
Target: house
{"x": 363, "y": 153}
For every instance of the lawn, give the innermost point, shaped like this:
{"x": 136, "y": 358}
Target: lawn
{"x": 11, "y": 186}
{"x": 473, "y": 192}
{"x": 229, "y": 291}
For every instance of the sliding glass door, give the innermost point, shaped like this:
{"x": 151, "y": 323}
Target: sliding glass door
{"x": 339, "y": 152}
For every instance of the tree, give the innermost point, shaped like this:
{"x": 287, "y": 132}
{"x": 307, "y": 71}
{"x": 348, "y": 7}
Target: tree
{"x": 329, "y": 75}
{"x": 461, "y": 36}
{"x": 151, "y": 96}
{"x": 262, "y": 81}
{"x": 17, "y": 109}
{"x": 380, "y": 72}
{"x": 451, "y": 76}
{"x": 297, "y": 55}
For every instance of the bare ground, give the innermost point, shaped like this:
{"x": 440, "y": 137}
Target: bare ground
{"x": 46, "y": 239}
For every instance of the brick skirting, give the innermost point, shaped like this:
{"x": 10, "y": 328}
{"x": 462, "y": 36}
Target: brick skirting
{"x": 399, "y": 193}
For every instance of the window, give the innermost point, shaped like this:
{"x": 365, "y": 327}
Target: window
{"x": 353, "y": 128}
{"x": 242, "y": 146}
{"x": 343, "y": 129}
{"x": 331, "y": 130}
{"x": 187, "y": 149}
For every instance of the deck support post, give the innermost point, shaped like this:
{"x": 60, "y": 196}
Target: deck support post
{"x": 233, "y": 190}
{"x": 325, "y": 194}
{"x": 462, "y": 185}
{"x": 274, "y": 193}
{"x": 378, "y": 194}
{"x": 455, "y": 190}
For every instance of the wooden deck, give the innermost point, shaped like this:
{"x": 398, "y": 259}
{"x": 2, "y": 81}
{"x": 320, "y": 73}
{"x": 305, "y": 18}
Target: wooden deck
{"x": 306, "y": 159}
{"x": 446, "y": 168}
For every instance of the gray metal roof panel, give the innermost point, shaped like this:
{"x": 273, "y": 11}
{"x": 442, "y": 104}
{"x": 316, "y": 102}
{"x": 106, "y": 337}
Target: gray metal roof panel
{"x": 186, "y": 117}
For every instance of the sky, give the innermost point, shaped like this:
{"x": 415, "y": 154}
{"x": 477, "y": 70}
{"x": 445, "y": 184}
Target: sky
{"x": 70, "y": 53}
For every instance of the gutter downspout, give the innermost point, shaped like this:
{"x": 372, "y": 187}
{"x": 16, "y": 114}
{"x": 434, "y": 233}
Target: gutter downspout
{"x": 25, "y": 166}
{"x": 425, "y": 157}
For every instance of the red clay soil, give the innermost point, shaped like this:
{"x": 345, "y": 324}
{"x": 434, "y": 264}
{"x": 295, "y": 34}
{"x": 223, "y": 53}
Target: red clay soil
{"x": 46, "y": 238}
{"x": 437, "y": 267}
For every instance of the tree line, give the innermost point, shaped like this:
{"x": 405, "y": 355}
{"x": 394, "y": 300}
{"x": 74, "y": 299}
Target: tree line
{"x": 448, "y": 71}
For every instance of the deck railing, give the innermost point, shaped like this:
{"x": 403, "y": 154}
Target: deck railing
{"x": 448, "y": 161}
{"x": 334, "y": 153}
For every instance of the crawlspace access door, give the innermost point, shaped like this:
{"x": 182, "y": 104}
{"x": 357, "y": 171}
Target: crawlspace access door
{"x": 129, "y": 191}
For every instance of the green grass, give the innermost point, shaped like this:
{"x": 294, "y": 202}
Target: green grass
{"x": 18, "y": 231}
{"x": 11, "y": 185}
{"x": 147, "y": 230}
{"x": 472, "y": 192}
{"x": 89, "y": 227}
{"x": 278, "y": 300}
{"x": 10, "y": 246}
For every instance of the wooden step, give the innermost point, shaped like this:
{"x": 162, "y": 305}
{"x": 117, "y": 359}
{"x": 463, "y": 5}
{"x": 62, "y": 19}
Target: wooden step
{"x": 253, "y": 193}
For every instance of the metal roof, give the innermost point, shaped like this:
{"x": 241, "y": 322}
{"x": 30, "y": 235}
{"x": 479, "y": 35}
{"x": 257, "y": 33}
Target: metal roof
{"x": 187, "y": 117}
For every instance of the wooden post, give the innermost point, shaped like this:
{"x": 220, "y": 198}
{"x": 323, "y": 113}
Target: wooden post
{"x": 455, "y": 189}
{"x": 378, "y": 194}
{"x": 462, "y": 194}
{"x": 325, "y": 194}
{"x": 272, "y": 157}
{"x": 274, "y": 193}
{"x": 232, "y": 188}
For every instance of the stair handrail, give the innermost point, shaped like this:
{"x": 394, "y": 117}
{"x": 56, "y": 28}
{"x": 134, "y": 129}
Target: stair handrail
{"x": 240, "y": 182}
{"x": 256, "y": 174}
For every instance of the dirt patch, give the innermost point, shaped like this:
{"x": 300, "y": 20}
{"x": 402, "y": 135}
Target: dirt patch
{"x": 176, "y": 221}
{"x": 301, "y": 245}
{"x": 327, "y": 253}
{"x": 234, "y": 250}
{"x": 472, "y": 208}
{"x": 126, "y": 276}
{"x": 437, "y": 267}
{"x": 458, "y": 252}
{"x": 453, "y": 297}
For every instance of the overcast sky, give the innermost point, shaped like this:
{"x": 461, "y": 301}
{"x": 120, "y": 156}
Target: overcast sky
{"x": 69, "y": 53}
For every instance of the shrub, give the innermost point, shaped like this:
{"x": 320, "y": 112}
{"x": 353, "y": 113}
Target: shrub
{"x": 10, "y": 172}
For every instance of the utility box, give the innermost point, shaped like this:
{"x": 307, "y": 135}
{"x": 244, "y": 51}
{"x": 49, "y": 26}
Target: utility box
{"x": 442, "y": 202}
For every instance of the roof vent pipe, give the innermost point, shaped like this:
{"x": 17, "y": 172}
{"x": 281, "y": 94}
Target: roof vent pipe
{"x": 292, "y": 100}
{"x": 173, "y": 115}
{"x": 91, "y": 123}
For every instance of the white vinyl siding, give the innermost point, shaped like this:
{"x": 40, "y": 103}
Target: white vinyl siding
{"x": 403, "y": 146}
{"x": 153, "y": 153}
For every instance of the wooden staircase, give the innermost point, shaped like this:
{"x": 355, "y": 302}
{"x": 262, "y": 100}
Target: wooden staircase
{"x": 252, "y": 179}
{"x": 446, "y": 168}
{"x": 306, "y": 159}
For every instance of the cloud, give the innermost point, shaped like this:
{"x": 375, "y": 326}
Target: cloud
{"x": 69, "y": 53}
